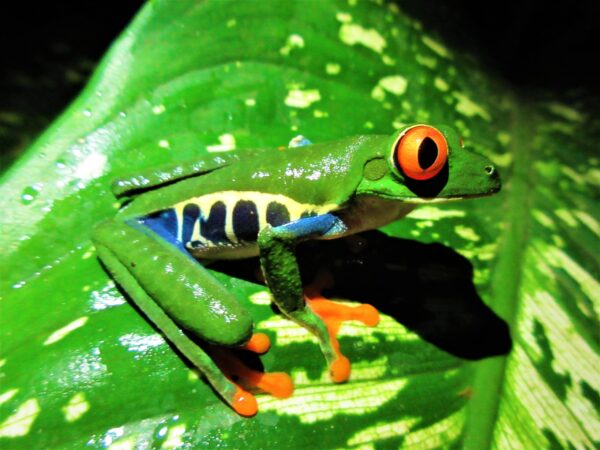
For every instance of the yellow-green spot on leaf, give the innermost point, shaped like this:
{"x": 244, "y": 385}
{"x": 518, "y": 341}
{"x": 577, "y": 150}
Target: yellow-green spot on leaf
{"x": 503, "y": 137}
{"x": 593, "y": 177}
{"x": 501, "y": 159}
{"x": 2, "y": 362}
{"x": 369, "y": 125}
{"x": 466, "y": 233}
{"x": 572, "y": 174}
{"x": 426, "y": 61}
{"x": 558, "y": 240}
{"x": 440, "y": 84}
{"x": 561, "y": 127}
{"x": 587, "y": 282}
{"x": 367, "y": 370}
{"x": 566, "y": 216}
{"x": 333, "y": 68}
{"x": 299, "y": 98}
{"x": 433, "y": 213}
{"x": 62, "y": 332}
{"x": 543, "y": 219}
{"x": 261, "y": 298}
{"x": 382, "y": 431}
{"x": 486, "y": 252}
{"x": 422, "y": 115}
{"x": 250, "y": 102}
{"x": 398, "y": 124}
{"x": 226, "y": 143}
{"x": 378, "y": 93}
{"x": 388, "y": 60}
{"x": 76, "y": 407}
{"x": 231, "y": 23}
{"x": 6, "y": 396}
{"x": 396, "y": 84}
{"x": 174, "y": 435}
{"x": 19, "y": 423}
{"x": 424, "y": 224}
{"x": 352, "y": 34}
{"x": 158, "y": 109}
{"x": 549, "y": 169}
{"x": 293, "y": 41}
{"x": 163, "y": 143}
{"x": 343, "y": 17}
{"x": 436, "y": 47}
{"x": 439, "y": 435}
{"x": 480, "y": 276}
{"x": 469, "y": 108}
{"x": 566, "y": 112}
{"x": 320, "y": 114}
{"x": 589, "y": 221}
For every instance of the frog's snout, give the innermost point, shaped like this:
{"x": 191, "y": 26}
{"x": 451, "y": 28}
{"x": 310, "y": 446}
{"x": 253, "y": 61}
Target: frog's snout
{"x": 493, "y": 176}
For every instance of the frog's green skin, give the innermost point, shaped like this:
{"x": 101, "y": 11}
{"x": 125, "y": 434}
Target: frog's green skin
{"x": 319, "y": 191}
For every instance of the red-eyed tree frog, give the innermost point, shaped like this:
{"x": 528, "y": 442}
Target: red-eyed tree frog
{"x": 263, "y": 202}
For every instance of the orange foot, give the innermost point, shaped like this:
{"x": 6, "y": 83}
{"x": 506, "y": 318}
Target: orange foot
{"x": 277, "y": 384}
{"x": 334, "y": 314}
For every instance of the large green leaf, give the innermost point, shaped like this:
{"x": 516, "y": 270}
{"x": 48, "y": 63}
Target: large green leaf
{"x": 81, "y": 367}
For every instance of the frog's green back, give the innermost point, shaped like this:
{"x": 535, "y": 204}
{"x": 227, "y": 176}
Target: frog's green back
{"x": 320, "y": 174}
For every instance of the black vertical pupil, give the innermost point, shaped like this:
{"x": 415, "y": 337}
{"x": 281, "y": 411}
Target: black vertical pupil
{"x": 428, "y": 153}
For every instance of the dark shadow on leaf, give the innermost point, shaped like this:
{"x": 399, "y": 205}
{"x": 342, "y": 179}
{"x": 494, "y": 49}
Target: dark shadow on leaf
{"x": 426, "y": 287}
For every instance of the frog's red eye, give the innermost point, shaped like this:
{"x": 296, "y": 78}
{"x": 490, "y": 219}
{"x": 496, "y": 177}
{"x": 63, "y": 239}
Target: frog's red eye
{"x": 421, "y": 152}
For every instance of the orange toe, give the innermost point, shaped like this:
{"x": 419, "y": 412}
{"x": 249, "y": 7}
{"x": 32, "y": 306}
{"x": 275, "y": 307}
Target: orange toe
{"x": 277, "y": 384}
{"x": 258, "y": 343}
{"x": 340, "y": 369}
{"x": 244, "y": 403}
{"x": 368, "y": 315}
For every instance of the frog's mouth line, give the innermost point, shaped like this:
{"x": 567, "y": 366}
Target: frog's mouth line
{"x": 425, "y": 200}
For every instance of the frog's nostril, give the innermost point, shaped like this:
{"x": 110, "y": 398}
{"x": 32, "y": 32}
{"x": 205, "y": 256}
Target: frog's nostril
{"x": 489, "y": 169}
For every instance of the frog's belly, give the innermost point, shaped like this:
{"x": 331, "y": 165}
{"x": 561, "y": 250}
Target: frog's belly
{"x": 238, "y": 251}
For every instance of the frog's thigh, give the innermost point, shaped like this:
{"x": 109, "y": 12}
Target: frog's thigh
{"x": 182, "y": 287}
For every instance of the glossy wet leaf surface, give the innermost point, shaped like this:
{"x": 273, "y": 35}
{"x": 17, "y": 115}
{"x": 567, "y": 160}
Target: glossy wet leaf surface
{"x": 80, "y": 366}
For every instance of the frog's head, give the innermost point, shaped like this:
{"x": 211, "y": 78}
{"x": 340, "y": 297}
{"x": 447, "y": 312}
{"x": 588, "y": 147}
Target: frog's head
{"x": 425, "y": 163}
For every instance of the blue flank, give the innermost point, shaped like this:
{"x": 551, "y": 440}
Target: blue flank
{"x": 163, "y": 224}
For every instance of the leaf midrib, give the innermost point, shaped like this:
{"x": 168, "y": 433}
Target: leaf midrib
{"x": 488, "y": 382}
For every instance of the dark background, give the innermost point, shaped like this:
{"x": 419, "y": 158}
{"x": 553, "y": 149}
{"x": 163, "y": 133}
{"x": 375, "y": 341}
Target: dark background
{"x": 49, "y": 49}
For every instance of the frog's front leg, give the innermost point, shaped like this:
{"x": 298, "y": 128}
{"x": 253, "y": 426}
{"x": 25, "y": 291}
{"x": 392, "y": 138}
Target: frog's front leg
{"x": 281, "y": 271}
{"x": 177, "y": 293}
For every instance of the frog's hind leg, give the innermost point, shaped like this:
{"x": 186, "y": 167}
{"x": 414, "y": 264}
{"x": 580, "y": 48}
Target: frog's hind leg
{"x": 177, "y": 293}
{"x": 280, "y": 267}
